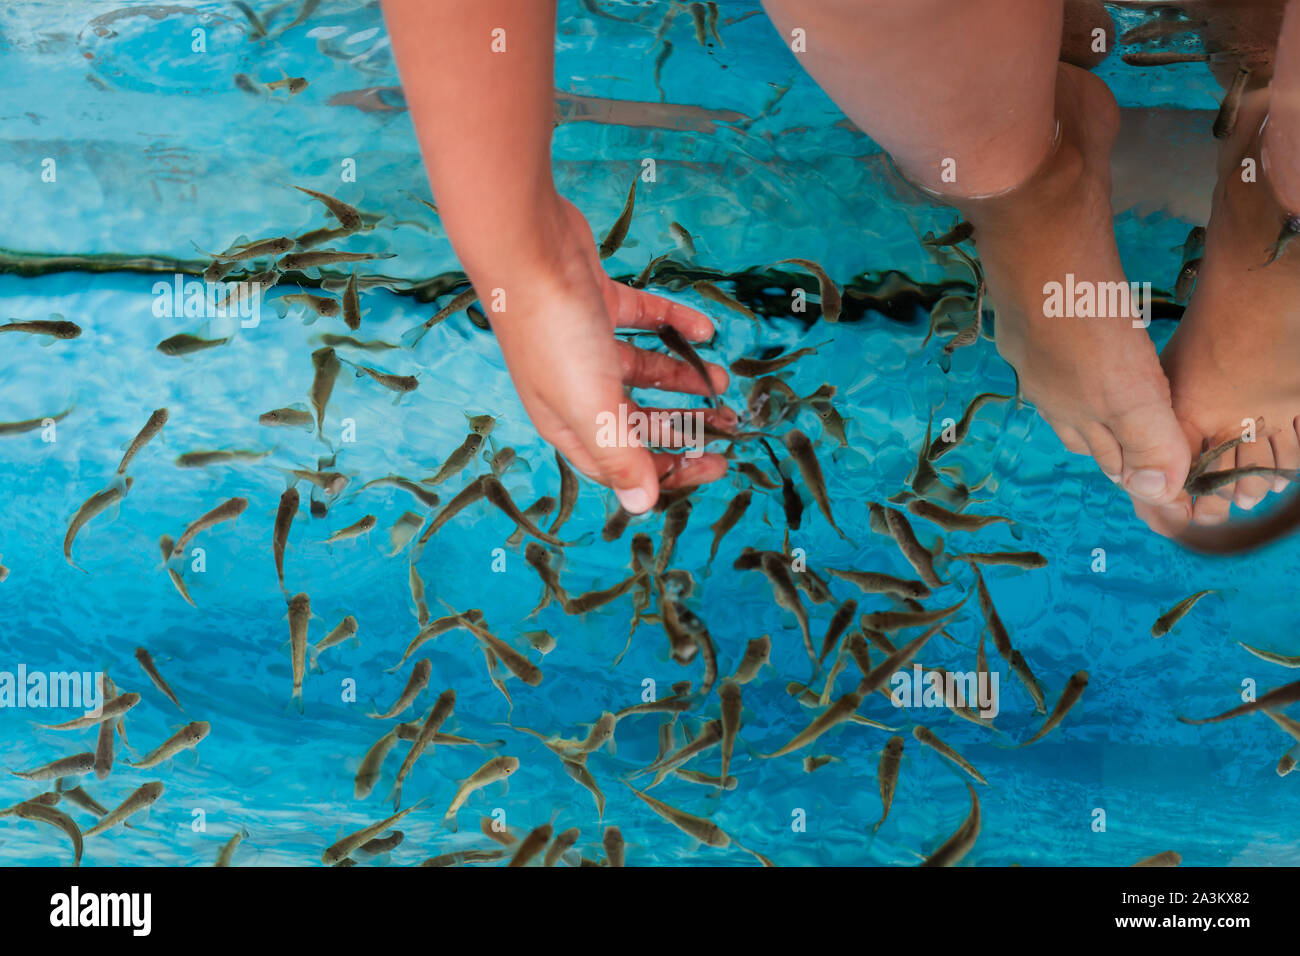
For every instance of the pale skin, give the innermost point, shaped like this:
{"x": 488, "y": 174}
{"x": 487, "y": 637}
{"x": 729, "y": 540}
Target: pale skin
{"x": 975, "y": 81}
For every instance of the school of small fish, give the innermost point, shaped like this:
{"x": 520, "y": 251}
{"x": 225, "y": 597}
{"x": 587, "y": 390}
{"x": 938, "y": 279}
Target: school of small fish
{"x": 878, "y": 625}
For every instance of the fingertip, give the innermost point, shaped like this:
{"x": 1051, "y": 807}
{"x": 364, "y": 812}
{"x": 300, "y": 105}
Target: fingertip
{"x": 636, "y": 500}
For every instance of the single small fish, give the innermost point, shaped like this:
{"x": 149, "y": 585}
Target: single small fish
{"x": 143, "y": 796}
{"x": 304, "y": 261}
{"x": 515, "y": 662}
{"x": 618, "y": 232}
{"x": 227, "y": 851}
{"x": 612, "y": 840}
{"x": 783, "y": 590}
{"x": 326, "y": 365}
{"x": 355, "y": 530}
{"x": 677, "y": 344}
{"x": 1020, "y": 667}
{"x": 415, "y": 683}
{"x": 38, "y": 812}
{"x": 458, "y": 459}
{"x": 698, "y": 14}
{"x": 531, "y": 845}
{"x": 1226, "y": 120}
{"x": 416, "y": 584}
{"x": 347, "y": 216}
{"x": 288, "y": 417}
{"x": 1273, "y": 658}
{"x": 830, "y": 294}
{"x": 871, "y": 582}
{"x": 394, "y": 383}
{"x": 708, "y": 290}
{"x": 146, "y": 434}
{"x": 927, "y": 737}
{"x": 151, "y": 671}
{"x": 438, "y": 714}
{"x": 729, "y": 695}
{"x": 461, "y": 301}
{"x": 299, "y": 617}
{"x": 713, "y": 21}
{"x": 1175, "y": 614}
{"x": 31, "y": 424}
{"x": 577, "y": 769}
{"x": 346, "y": 629}
{"x": 734, "y": 512}
{"x": 351, "y": 305}
{"x": 958, "y": 234}
{"x": 1290, "y": 228}
{"x": 756, "y": 476}
{"x": 891, "y": 759}
{"x": 185, "y": 344}
{"x": 684, "y": 242}
{"x": 424, "y": 495}
{"x": 202, "y": 459}
{"x": 294, "y": 84}
{"x": 960, "y": 843}
{"x": 1290, "y": 725}
{"x": 187, "y": 738}
{"x": 1210, "y": 455}
{"x": 92, "y": 507}
{"x": 347, "y": 341}
{"x": 1275, "y": 699}
{"x": 253, "y": 250}
{"x": 84, "y": 800}
{"x": 403, "y": 530}
{"x": 58, "y": 328}
{"x": 1069, "y": 697}
{"x": 104, "y": 748}
{"x": 228, "y": 510}
{"x": 74, "y": 766}
{"x": 323, "y": 306}
{"x": 1210, "y": 481}
{"x": 284, "y": 515}
{"x": 1186, "y": 280}
{"x": 498, "y": 768}
{"x": 664, "y": 53}
{"x": 951, "y": 520}
{"x": 706, "y": 831}
{"x": 753, "y": 368}
{"x": 757, "y": 652}
{"x": 1027, "y": 560}
{"x": 916, "y": 554}
{"x": 1164, "y": 58}
{"x": 801, "y": 450}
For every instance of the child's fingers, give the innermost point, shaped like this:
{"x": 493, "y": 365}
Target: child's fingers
{"x": 682, "y": 471}
{"x": 601, "y": 419}
{"x": 646, "y": 369}
{"x": 637, "y": 309}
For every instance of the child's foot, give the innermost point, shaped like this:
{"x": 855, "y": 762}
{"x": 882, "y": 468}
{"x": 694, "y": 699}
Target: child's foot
{"x": 1236, "y": 352}
{"x": 1097, "y": 381}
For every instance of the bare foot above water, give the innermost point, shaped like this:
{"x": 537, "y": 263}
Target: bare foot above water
{"x": 1097, "y": 381}
{"x": 1236, "y": 353}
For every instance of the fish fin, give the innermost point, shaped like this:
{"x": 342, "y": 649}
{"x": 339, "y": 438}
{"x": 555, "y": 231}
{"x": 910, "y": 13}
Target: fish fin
{"x": 412, "y": 336}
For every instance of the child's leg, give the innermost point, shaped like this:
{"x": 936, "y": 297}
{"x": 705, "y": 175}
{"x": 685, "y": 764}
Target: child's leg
{"x": 978, "y": 83}
{"x": 1236, "y": 352}
{"x": 931, "y": 80}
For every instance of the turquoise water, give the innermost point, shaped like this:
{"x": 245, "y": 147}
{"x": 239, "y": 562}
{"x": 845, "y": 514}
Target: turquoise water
{"x": 156, "y": 149}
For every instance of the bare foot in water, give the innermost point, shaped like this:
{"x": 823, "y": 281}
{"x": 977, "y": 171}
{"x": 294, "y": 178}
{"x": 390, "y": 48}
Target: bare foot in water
{"x": 1097, "y": 381}
{"x": 1236, "y": 353}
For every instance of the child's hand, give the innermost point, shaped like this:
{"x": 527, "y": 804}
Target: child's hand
{"x": 557, "y": 334}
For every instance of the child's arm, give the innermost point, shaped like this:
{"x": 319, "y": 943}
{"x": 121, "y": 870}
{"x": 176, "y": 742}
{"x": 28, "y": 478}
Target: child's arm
{"x": 484, "y": 122}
